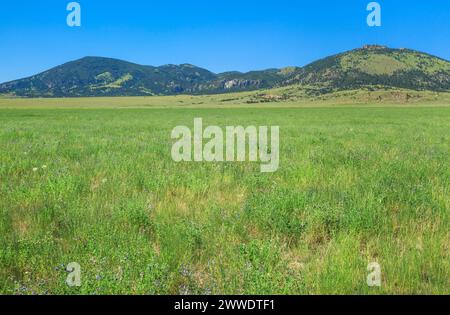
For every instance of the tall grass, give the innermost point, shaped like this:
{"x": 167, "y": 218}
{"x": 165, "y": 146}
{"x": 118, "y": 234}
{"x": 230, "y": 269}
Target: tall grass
{"x": 98, "y": 187}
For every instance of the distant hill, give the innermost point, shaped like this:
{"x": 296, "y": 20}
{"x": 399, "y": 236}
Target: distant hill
{"x": 96, "y": 76}
{"x": 370, "y": 66}
{"x": 373, "y": 66}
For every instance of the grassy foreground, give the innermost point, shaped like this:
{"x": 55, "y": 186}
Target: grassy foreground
{"x": 98, "y": 187}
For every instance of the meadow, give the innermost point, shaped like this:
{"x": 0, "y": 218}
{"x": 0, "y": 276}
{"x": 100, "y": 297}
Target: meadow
{"x": 92, "y": 181}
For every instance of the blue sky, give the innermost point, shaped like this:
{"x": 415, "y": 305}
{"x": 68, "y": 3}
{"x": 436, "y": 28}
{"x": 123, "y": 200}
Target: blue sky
{"x": 218, "y": 35}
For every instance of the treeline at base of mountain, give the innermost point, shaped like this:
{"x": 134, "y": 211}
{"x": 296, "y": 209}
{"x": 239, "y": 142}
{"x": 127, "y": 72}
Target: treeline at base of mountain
{"x": 367, "y": 67}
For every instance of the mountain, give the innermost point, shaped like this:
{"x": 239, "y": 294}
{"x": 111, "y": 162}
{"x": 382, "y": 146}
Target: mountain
{"x": 373, "y": 66}
{"x": 370, "y": 66}
{"x": 96, "y": 76}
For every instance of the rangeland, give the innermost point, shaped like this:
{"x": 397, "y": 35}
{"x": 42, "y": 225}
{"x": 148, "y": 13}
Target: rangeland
{"x": 92, "y": 181}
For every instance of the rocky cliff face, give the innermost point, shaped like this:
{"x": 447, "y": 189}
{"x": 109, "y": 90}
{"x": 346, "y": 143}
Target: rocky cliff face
{"x": 242, "y": 84}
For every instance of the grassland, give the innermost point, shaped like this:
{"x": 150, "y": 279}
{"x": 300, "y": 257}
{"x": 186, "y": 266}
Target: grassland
{"x": 291, "y": 97}
{"x": 92, "y": 181}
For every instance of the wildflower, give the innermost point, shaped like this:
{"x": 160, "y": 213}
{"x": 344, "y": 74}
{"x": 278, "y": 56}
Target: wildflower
{"x": 207, "y": 291}
{"x": 60, "y": 267}
{"x": 184, "y": 271}
{"x": 35, "y": 169}
{"x": 184, "y": 290}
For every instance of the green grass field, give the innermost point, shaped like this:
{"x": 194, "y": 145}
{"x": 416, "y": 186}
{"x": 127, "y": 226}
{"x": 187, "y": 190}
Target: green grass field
{"x": 93, "y": 182}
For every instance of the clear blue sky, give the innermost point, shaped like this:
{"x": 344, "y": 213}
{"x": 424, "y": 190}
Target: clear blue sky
{"x": 218, "y": 35}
